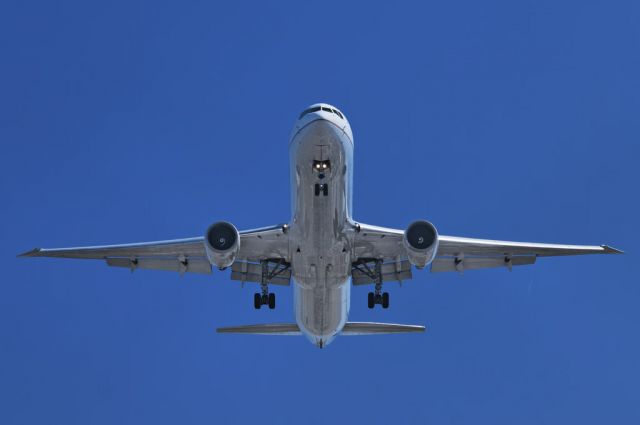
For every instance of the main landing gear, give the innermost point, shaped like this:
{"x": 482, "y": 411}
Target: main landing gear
{"x": 376, "y": 297}
{"x": 268, "y": 273}
{"x": 260, "y": 299}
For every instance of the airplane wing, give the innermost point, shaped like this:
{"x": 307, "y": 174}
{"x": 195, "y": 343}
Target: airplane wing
{"x": 454, "y": 253}
{"x": 459, "y": 254}
{"x": 180, "y": 255}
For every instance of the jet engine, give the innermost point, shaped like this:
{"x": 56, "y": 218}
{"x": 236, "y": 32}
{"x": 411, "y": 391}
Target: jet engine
{"x": 421, "y": 242}
{"x": 222, "y": 243}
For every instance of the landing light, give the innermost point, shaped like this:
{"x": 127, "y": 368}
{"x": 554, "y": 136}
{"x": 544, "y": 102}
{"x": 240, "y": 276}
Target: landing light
{"x": 321, "y": 165}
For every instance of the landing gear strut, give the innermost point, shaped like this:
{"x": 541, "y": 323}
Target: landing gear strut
{"x": 264, "y": 297}
{"x": 376, "y": 297}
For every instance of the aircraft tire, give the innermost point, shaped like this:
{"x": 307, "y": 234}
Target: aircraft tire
{"x": 385, "y": 300}
{"x": 371, "y": 300}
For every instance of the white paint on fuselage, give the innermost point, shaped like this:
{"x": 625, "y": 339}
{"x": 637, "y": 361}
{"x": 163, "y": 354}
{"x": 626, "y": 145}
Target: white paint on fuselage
{"x": 321, "y": 224}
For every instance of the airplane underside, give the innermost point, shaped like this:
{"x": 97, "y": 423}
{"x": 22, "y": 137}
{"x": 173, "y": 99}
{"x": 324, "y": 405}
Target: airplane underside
{"x": 322, "y": 251}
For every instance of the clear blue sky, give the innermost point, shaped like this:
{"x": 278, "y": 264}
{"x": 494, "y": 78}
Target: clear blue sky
{"x": 127, "y": 121}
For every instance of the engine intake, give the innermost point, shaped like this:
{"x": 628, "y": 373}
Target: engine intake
{"x": 222, "y": 243}
{"x": 421, "y": 242}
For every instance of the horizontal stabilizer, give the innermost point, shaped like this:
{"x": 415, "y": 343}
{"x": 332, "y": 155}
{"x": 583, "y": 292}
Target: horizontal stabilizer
{"x": 266, "y": 329}
{"x": 351, "y": 328}
{"x": 372, "y": 328}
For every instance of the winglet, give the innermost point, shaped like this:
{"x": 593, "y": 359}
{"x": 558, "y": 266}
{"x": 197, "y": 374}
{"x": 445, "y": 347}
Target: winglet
{"x": 611, "y": 250}
{"x": 33, "y": 253}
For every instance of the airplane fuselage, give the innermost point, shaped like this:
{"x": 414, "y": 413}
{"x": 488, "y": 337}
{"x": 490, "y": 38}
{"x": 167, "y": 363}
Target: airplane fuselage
{"x": 321, "y": 160}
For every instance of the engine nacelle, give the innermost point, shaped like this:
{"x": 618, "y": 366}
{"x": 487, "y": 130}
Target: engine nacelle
{"x": 222, "y": 243}
{"x": 421, "y": 242}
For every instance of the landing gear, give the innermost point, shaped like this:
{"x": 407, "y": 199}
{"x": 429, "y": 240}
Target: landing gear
{"x": 321, "y": 188}
{"x": 385, "y": 300}
{"x": 382, "y": 299}
{"x": 264, "y": 299}
{"x": 268, "y": 273}
{"x": 376, "y": 297}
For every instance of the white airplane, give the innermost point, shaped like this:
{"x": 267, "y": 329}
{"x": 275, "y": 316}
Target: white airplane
{"x": 322, "y": 249}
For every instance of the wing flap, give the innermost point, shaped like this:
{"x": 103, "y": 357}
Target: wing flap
{"x": 391, "y": 272}
{"x": 452, "y": 264}
{"x": 188, "y": 265}
{"x": 252, "y": 272}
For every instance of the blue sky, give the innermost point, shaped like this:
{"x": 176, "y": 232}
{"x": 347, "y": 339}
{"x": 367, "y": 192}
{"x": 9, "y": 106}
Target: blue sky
{"x": 128, "y": 121}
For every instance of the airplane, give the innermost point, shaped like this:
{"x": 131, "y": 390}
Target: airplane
{"x": 322, "y": 250}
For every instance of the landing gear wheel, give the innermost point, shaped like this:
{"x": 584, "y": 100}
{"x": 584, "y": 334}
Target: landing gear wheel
{"x": 257, "y": 301}
{"x": 385, "y": 300}
{"x": 272, "y": 301}
{"x": 371, "y": 300}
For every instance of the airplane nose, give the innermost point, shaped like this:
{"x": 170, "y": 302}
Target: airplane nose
{"x": 324, "y": 115}
{"x": 320, "y": 132}
{"x": 317, "y": 119}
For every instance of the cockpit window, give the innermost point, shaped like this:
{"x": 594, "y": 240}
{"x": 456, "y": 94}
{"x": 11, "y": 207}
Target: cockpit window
{"x": 308, "y": 111}
{"x": 318, "y": 108}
